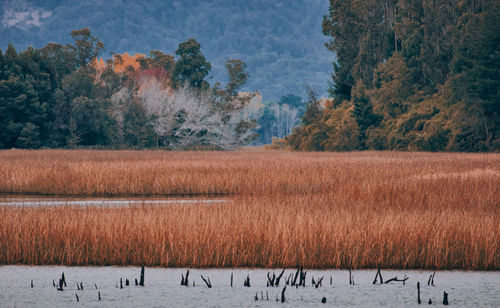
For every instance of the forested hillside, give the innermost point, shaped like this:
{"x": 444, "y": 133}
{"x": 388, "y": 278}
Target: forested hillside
{"x": 410, "y": 75}
{"x": 64, "y": 96}
{"x": 406, "y": 75}
{"x": 280, "y": 40}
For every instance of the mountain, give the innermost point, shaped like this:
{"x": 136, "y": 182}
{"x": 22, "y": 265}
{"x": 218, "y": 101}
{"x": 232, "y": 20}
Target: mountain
{"x": 280, "y": 40}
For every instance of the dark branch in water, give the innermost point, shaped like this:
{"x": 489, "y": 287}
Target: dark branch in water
{"x": 445, "y": 298}
{"x": 398, "y": 280}
{"x": 319, "y": 282}
{"x": 283, "y": 294}
{"x": 378, "y": 274}
{"x": 430, "y": 282}
{"x": 185, "y": 280}
{"x": 141, "y": 282}
{"x": 279, "y": 278}
{"x": 418, "y": 293}
{"x": 207, "y": 281}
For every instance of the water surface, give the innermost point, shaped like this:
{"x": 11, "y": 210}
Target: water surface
{"x": 162, "y": 288}
{"x": 27, "y": 201}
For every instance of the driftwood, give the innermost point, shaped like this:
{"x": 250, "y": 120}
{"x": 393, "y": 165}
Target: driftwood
{"x": 378, "y": 274}
{"x": 430, "y": 282}
{"x": 302, "y": 278}
{"x": 141, "y": 281}
{"x": 207, "y": 281}
{"x": 445, "y": 298}
{"x": 246, "y": 283}
{"x": 61, "y": 285}
{"x": 318, "y": 283}
{"x": 418, "y": 293}
{"x": 270, "y": 281}
{"x": 294, "y": 281}
{"x": 275, "y": 280}
{"x": 278, "y": 278}
{"x": 283, "y": 294}
{"x": 301, "y": 275}
{"x": 398, "y": 280}
{"x": 185, "y": 280}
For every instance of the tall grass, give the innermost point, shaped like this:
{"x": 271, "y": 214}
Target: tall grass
{"x": 367, "y": 209}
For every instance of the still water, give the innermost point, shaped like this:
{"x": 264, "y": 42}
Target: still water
{"x": 26, "y": 201}
{"x": 162, "y": 288}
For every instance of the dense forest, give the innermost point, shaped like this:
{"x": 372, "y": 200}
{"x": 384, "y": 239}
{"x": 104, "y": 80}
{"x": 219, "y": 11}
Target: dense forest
{"x": 280, "y": 40}
{"x": 66, "y": 96}
{"x": 409, "y": 75}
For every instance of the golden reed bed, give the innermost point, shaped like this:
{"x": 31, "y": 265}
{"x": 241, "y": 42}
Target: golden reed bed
{"x": 322, "y": 210}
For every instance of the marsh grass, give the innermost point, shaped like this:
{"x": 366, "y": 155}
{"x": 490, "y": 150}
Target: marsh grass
{"x": 321, "y": 210}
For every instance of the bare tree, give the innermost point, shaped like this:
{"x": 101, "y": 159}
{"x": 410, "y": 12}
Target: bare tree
{"x": 189, "y": 117}
{"x": 286, "y": 119}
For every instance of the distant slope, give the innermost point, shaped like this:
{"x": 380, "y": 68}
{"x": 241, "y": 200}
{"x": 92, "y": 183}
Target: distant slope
{"x": 280, "y": 40}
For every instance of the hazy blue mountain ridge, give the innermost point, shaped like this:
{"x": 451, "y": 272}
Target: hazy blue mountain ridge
{"x": 281, "y": 41}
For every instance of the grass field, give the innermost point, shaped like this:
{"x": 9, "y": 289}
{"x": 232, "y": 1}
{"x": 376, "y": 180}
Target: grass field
{"x": 322, "y": 210}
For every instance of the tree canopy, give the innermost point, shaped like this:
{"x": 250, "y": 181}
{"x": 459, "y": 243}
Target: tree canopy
{"x": 409, "y": 75}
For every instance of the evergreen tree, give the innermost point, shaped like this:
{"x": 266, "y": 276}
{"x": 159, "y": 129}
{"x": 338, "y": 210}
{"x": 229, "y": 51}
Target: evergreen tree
{"x": 191, "y": 67}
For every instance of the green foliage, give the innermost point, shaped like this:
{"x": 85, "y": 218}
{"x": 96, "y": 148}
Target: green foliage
{"x": 29, "y": 137}
{"x": 417, "y": 75}
{"x": 237, "y": 71}
{"x": 363, "y": 112}
{"x": 87, "y": 47}
{"x": 137, "y": 132}
{"x": 191, "y": 67}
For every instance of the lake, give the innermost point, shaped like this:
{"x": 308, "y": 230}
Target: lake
{"x": 162, "y": 288}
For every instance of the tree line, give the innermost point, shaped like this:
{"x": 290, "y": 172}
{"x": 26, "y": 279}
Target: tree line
{"x": 59, "y": 96}
{"x": 408, "y": 75}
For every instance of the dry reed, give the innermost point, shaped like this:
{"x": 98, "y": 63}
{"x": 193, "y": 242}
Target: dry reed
{"x": 322, "y": 210}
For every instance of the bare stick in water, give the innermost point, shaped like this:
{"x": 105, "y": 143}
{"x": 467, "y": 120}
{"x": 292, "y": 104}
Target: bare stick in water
{"x": 141, "y": 282}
